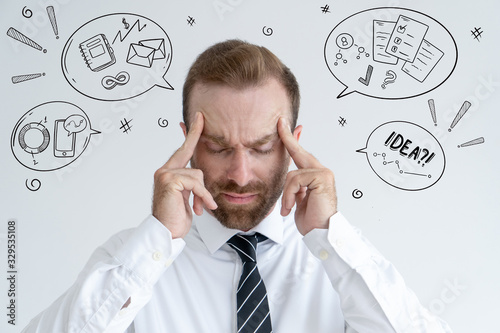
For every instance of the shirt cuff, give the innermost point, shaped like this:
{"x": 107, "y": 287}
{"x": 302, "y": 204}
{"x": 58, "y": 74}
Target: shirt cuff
{"x": 149, "y": 250}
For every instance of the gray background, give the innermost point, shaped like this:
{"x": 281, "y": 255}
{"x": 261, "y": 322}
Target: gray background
{"x": 442, "y": 239}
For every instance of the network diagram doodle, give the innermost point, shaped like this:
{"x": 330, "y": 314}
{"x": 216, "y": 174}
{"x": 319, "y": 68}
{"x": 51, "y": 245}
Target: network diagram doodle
{"x": 51, "y": 136}
{"x": 390, "y": 53}
{"x": 117, "y": 57}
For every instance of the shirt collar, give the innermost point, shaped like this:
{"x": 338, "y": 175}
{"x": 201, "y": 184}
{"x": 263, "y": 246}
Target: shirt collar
{"x": 214, "y": 234}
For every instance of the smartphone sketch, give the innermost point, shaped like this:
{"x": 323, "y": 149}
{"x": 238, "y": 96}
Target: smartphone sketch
{"x": 64, "y": 142}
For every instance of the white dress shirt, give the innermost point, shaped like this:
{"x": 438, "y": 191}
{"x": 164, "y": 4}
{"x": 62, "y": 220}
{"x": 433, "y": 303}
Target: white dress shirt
{"x": 328, "y": 281}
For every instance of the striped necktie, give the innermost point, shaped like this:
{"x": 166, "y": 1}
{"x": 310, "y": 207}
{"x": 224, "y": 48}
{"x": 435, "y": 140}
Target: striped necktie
{"x": 252, "y": 304}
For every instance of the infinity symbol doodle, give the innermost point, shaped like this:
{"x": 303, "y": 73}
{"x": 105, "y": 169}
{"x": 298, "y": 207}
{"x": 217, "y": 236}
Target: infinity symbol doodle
{"x": 109, "y": 82}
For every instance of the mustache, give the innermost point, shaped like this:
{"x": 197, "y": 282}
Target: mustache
{"x": 233, "y": 187}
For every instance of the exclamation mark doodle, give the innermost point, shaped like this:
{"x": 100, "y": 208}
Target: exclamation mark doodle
{"x": 472, "y": 142}
{"x": 13, "y": 33}
{"x": 433, "y": 111}
{"x": 465, "y": 107}
{"x": 52, "y": 18}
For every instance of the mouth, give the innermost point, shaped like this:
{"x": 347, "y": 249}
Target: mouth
{"x": 239, "y": 198}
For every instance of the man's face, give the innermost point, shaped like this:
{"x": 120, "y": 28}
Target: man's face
{"x": 240, "y": 152}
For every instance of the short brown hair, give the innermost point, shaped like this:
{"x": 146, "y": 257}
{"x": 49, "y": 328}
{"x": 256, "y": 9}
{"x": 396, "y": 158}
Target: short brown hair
{"x": 240, "y": 64}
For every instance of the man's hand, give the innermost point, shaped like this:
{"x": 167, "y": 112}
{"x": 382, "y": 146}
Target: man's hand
{"x": 174, "y": 184}
{"x": 311, "y": 187}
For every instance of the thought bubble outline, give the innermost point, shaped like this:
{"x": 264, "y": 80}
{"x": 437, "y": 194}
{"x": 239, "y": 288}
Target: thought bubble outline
{"x": 39, "y": 116}
{"x": 155, "y": 72}
{"x": 366, "y": 152}
{"x": 360, "y": 89}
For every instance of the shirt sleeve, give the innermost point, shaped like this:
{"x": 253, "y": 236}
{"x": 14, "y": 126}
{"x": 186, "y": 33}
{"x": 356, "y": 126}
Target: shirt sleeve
{"x": 373, "y": 295}
{"x": 125, "y": 268}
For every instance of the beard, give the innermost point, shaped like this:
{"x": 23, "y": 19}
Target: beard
{"x": 245, "y": 216}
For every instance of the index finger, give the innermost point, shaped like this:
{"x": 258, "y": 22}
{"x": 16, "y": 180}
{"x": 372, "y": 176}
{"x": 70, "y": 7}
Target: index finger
{"x": 300, "y": 156}
{"x": 182, "y": 155}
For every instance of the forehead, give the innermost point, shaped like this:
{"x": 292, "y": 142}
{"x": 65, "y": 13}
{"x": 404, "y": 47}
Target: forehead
{"x": 244, "y": 114}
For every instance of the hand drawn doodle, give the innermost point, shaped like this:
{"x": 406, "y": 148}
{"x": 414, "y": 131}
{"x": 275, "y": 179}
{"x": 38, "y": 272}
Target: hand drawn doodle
{"x": 190, "y": 20}
{"x": 368, "y": 76}
{"x": 27, "y": 12}
{"x": 342, "y": 121}
{"x": 126, "y": 125}
{"x": 34, "y": 185}
{"x": 463, "y": 110}
{"x": 20, "y": 37}
{"x": 267, "y": 31}
{"x": 477, "y": 33}
{"x": 390, "y": 78}
{"x": 405, "y": 155}
{"x": 133, "y": 46}
{"x": 357, "y": 194}
{"x": 432, "y": 107}
{"x": 401, "y": 44}
{"x": 51, "y": 136}
{"x": 26, "y": 77}
{"x": 472, "y": 142}
{"x": 162, "y": 122}
{"x": 325, "y": 9}
{"x": 53, "y": 21}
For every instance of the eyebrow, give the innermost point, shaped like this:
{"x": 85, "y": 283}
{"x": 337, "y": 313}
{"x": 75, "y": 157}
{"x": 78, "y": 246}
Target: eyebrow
{"x": 221, "y": 141}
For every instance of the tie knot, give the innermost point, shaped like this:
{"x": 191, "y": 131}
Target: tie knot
{"x": 246, "y": 245}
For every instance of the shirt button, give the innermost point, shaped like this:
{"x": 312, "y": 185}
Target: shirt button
{"x": 157, "y": 256}
{"x": 323, "y": 254}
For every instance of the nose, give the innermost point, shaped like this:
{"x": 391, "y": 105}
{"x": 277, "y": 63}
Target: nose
{"x": 239, "y": 168}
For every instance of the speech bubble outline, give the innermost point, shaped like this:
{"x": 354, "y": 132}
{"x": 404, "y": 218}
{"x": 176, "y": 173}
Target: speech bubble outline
{"x": 40, "y": 142}
{"x": 117, "y": 56}
{"x": 354, "y": 69}
{"x": 75, "y": 124}
{"x": 398, "y": 162}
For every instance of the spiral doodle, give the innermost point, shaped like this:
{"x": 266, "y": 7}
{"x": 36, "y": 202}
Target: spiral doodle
{"x": 267, "y": 31}
{"x": 27, "y": 12}
{"x": 34, "y": 185}
{"x": 162, "y": 122}
{"x": 109, "y": 82}
{"x": 357, "y": 194}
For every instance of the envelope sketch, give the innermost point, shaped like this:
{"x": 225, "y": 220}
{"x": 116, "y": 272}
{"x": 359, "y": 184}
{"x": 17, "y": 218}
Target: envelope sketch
{"x": 157, "y": 44}
{"x": 143, "y": 53}
{"x": 140, "y": 55}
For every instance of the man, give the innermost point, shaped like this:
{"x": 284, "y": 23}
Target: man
{"x": 309, "y": 270}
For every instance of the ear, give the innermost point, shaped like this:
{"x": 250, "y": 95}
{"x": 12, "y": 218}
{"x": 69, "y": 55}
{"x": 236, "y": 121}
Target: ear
{"x": 297, "y": 132}
{"x": 184, "y": 129}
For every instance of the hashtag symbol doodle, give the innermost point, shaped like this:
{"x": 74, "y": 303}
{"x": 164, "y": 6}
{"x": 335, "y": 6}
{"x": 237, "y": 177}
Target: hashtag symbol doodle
{"x": 325, "y": 9}
{"x": 190, "y": 21}
{"x": 476, "y": 33}
{"x": 126, "y": 125}
{"x": 342, "y": 121}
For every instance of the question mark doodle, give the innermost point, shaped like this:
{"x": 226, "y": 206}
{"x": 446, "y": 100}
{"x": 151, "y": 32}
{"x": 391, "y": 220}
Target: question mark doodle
{"x": 391, "y": 78}
{"x": 34, "y": 185}
{"x": 357, "y": 194}
{"x": 162, "y": 122}
{"x": 27, "y": 12}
